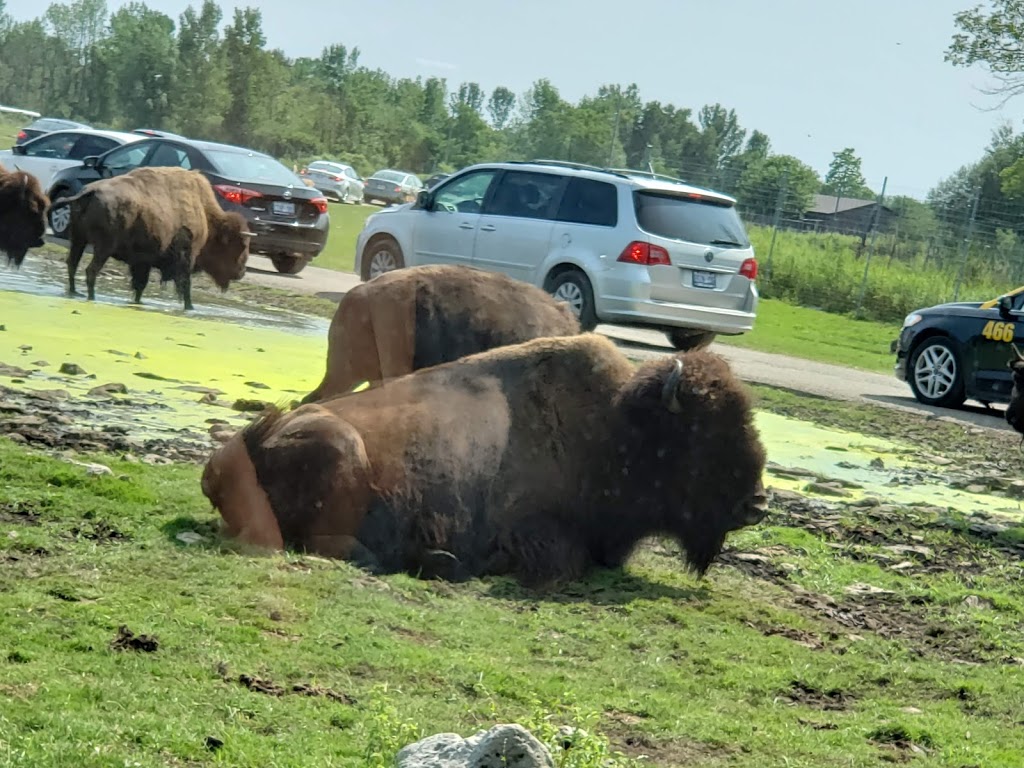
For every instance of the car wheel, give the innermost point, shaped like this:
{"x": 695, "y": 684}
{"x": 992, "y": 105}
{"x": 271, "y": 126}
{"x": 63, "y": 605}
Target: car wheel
{"x": 381, "y": 255}
{"x": 686, "y": 340}
{"x": 936, "y": 377}
{"x": 60, "y": 217}
{"x": 573, "y": 287}
{"x": 289, "y": 265}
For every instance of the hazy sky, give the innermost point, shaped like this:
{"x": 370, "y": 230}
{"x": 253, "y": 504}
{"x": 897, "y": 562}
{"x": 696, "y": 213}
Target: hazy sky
{"x": 815, "y": 76}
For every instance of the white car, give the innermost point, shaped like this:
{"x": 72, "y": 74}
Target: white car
{"x": 619, "y": 246}
{"x": 46, "y": 155}
{"x": 337, "y": 181}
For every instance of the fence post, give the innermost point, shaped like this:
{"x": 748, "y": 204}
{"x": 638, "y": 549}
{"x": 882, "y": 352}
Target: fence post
{"x": 779, "y": 203}
{"x": 872, "y": 232}
{"x": 965, "y": 245}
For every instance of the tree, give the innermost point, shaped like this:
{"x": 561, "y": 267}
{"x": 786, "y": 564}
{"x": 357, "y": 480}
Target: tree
{"x": 243, "y": 47}
{"x": 469, "y": 95}
{"x": 140, "y": 52}
{"x": 994, "y": 39}
{"x": 844, "y": 177}
{"x": 500, "y": 107}
{"x": 201, "y": 94}
{"x": 762, "y": 185}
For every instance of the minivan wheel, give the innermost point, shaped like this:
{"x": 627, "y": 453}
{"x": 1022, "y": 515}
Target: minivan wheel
{"x": 687, "y": 340}
{"x": 573, "y": 287}
{"x": 60, "y": 218}
{"x": 289, "y": 265}
{"x": 381, "y": 255}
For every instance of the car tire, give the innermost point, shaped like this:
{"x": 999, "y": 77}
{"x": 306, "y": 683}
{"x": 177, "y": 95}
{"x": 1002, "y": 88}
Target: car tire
{"x": 289, "y": 265}
{"x": 59, "y": 215}
{"x": 573, "y": 287}
{"x": 687, "y": 340}
{"x": 935, "y": 373}
{"x": 382, "y": 254}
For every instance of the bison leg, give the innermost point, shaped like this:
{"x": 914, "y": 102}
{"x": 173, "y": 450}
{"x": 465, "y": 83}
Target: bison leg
{"x": 74, "y": 258}
{"x": 140, "y": 279}
{"x": 183, "y": 285}
{"x": 438, "y": 564}
{"x": 99, "y": 258}
{"x": 345, "y": 548}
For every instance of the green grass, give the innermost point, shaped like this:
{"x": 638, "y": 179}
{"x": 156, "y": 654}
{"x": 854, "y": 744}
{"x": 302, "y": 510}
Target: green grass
{"x": 766, "y": 662}
{"x": 346, "y": 222}
{"x": 822, "y": 336}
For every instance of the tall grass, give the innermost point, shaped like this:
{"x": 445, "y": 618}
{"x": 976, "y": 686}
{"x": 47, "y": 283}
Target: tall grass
{"x": 825, "y": 271}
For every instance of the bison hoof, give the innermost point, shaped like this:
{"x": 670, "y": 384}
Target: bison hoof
{"x": 438, "y": 564}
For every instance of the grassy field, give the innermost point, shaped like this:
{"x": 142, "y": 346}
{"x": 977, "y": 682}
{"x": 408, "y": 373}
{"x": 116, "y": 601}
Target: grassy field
{"x": 781, "y": 657}
{"x": 346, "y": 222}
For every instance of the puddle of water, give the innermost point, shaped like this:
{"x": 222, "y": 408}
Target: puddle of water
{"x": 47, "y": 277}
{"x": 847, "y": 456}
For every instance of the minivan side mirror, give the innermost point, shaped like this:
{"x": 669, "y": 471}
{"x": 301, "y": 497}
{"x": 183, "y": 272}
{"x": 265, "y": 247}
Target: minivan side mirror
{"x": 423, "y": 200}
{"x": 91, "y": 161}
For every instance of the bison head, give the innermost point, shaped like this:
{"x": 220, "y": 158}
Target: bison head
{"x": 1015, "y": 410}
{"x": 23, "y": 209}
{"x": 693, "y": 456}
{"x": 226, "y": 251}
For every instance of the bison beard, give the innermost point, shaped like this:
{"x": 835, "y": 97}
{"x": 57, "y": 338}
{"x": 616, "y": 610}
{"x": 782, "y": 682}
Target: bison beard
{"x": 22, "y": 215}
{"x": 541, "y": 460}
{"x": 420, "y": 317}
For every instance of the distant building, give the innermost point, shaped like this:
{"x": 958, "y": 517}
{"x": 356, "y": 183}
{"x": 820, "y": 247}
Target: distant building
{"x": 848, "y": 215}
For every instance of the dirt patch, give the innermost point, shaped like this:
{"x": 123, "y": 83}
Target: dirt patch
{"x": 19, "y": 513}
{"x": 270, "y": 688}
{"x": 660, "y": 751}
{"x": 832, "y": 700}
{"x": 899, "y": 744}
{"x": 798, "y": 636}
{"x": 126, "y": 640}
{"x": 100, "y": 531}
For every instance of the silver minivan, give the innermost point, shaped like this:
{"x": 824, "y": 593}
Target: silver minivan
{"x": 620, "y": 247}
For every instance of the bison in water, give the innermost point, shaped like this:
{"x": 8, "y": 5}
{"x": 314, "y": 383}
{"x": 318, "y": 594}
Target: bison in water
{"x": 419, "y": 317}
{"x": 541, "y": 460}
{"x": 22, "y": 214}
{"x": 157, "y": 218}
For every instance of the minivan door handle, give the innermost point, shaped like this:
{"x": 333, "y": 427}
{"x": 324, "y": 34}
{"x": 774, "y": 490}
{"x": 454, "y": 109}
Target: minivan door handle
{"x": 487, "y": 228}
{"x": 465, "y": 225}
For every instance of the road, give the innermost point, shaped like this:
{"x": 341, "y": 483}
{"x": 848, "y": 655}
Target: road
{"x": 821, "y": 379}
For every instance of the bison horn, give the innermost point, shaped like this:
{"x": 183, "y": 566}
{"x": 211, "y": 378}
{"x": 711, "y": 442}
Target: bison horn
{"x": 1017, "y": 352}
{"x": 248, "y": 234}
{"x": 670, "y": 393}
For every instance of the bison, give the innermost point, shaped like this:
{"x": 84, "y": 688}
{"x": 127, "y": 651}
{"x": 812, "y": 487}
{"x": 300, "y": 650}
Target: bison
{"x": 540, "y": 460}
{"x": 415, "y": 318}
{"x": 1015, "y": 408}
{"x": 157, "y": 218}
{"x": 22, "y": 214}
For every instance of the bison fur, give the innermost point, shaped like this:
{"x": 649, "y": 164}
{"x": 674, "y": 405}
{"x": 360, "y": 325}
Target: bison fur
{"x": 418, "y": 317}
{"x": 540, "y": 460}
{"x": 1015, "y": 408}
{"x": 23, "y": 209}
{"x": 157, "y": 218}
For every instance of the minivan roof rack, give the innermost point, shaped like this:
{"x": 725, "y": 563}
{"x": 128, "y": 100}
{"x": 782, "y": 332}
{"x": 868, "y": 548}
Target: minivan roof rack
{"x": 649, "y": 175}
{"x": 567, "y": 164}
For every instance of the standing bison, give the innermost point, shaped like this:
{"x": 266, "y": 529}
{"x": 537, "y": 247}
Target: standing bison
{"x": 1015, "y": 408}
{"x": 22, "y": 214}
{"x": 157, "y": 218}
{"x": 418, "y": 317}
{"x": 541, "y": 460}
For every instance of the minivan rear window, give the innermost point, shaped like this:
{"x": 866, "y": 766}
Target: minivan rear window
{"x": 690, "y": 219}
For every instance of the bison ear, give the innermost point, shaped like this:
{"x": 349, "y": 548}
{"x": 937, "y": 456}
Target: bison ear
{"x": 670, "y": 393}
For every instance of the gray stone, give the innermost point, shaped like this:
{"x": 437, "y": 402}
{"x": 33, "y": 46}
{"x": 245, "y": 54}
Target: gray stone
{"x": 71, "y": 369}
{"x": 503, "y": 746}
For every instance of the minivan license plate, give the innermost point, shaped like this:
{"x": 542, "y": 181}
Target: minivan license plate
{"x": 704, "y": 280}
{"x": 288, "y": 209}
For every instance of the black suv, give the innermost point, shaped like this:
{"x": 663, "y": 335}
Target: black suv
{"x": 289, "y": 220}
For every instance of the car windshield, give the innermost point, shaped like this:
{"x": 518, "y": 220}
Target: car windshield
{"x": 690, "y": 219}
{"x": 242, "y": 166}
{"x": 390, "y": 176}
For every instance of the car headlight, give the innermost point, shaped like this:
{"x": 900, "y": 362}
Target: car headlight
{"x": 912, "y": 319}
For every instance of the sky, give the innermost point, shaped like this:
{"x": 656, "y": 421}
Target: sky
{"x": 815, "y": 76}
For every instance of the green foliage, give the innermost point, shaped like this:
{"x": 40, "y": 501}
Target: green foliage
{"x": 844, "y": 177}
{"x": 776, "y": 178}
{"x": 994, "y": 38}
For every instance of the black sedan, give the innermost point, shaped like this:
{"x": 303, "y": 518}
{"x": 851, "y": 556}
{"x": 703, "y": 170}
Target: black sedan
{"x": 953, "y": 352}
{"x": 289, "y": 220}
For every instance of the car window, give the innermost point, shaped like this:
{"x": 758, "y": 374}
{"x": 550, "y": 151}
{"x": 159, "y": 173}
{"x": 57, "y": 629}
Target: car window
{"x": 350, "y": 172}
{"x": 126, "y": 157}
{"x": 169, "y": 156}
{"x": 465, "y": 194}
{"x": 527, "y": 195}
{"x": 690, "y": 219}
{"x": 57, "y": 147}
{"x": 590, "y": 202}
{"x": 91, "y": 146}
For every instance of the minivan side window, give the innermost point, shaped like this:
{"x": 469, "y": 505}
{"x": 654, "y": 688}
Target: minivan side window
{"x": 465, "y": 194}
{"x": 590, "y": 202}
{"x": 527, "y": 195}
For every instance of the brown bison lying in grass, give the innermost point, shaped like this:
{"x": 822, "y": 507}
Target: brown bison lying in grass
{"x": 419, "y": 317}
{"x": 157, "y": 218}
{"x": 22, "y": 214}
{"x": 541, "y": 460}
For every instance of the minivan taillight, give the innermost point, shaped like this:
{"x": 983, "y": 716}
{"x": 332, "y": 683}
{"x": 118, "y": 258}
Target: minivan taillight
{"x": 639, "y": 252}
{"x": 749, "y": 269}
